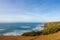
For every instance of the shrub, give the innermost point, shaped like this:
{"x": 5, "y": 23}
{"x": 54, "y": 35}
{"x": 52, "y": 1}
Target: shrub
{"x": 29, "y": 34}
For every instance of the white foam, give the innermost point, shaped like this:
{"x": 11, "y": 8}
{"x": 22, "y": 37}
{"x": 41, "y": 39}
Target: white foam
{"x": 2, "y": 29}
{"x": 38, "y": 28}
{"x": 11, "y": 34}
{"x": 15, "y": 33}
{"x": 25, "y": 27}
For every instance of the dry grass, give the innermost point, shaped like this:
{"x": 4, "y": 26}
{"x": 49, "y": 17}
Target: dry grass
{"x": 55, "y": 36}
{"x": 16, "y": 38}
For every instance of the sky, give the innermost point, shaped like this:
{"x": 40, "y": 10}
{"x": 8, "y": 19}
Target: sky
{"x": 29, "y": 10}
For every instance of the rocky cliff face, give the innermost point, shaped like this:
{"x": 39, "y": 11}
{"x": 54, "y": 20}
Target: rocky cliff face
{"x": 52, "y": 24}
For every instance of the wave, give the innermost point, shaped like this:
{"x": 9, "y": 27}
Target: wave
{"x": 18, "y": 29}
{"x": 15, "y": 33}
{"x": 25, "y": 26}
{"x": 2, "y": 29}
{"x": 38, "y": 28}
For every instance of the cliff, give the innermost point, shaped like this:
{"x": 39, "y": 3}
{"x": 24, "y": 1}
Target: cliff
{"x": 52, "y": 24}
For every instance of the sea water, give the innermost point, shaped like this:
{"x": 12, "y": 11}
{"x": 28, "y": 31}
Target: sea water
{"x": 9, "y": 29}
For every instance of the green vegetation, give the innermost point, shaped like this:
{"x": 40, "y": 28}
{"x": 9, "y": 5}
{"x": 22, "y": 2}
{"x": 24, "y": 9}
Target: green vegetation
{"x": 33, "y": 33}
{"x": 50, "y": 30}
{"x": 46, "y": 31}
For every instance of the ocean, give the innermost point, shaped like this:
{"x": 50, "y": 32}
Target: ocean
{"x": 9, "y": 29}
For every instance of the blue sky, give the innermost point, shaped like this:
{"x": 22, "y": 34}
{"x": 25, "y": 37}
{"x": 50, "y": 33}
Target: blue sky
{"x": 29, "y": 10}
